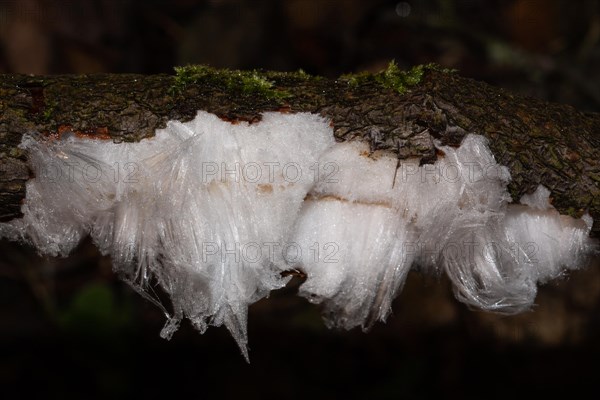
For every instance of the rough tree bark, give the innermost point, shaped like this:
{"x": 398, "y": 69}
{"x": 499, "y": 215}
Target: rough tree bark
{"x": 541, "y": 143}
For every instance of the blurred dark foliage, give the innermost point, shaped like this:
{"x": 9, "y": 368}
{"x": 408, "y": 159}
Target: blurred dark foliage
{"x": 69, "y": 328}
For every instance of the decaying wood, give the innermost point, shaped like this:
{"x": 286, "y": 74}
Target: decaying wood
{"x": 541, "y": 143}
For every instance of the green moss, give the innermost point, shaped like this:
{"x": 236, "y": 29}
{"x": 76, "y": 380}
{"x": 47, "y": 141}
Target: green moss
{"x": 244, "y": 82}
{"x": 16, "y": 152}
{"x": 302, "y": 74}
{"x": 49, "y": 110}
{"x": 357, "y": 79}
{"x": 393, "y": 77}
{"x": 572, "y": 212}
{"x": 299, "y": 75}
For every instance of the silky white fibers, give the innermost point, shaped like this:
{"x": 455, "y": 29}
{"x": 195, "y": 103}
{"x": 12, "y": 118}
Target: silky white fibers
{"x": 202, "y": 207}
{"x": 214, "y": 212}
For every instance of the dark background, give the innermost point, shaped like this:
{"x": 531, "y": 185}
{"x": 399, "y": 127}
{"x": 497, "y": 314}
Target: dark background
{"x": 69, "y": 328}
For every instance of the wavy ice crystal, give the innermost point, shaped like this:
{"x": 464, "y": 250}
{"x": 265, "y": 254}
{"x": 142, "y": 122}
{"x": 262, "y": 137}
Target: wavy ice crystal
{"x": 214, "y": 212}
{"x": 452, "y": 216}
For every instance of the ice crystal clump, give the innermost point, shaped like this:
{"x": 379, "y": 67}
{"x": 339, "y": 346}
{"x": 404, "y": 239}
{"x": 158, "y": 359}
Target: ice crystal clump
{"x": 192, "y": 207}
{"x": 214, "y": 212}
{"x": 452, "y": 216}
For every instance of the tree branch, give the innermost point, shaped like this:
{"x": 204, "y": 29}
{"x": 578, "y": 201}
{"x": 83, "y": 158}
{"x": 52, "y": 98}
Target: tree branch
{"x": 403, "y": 112}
